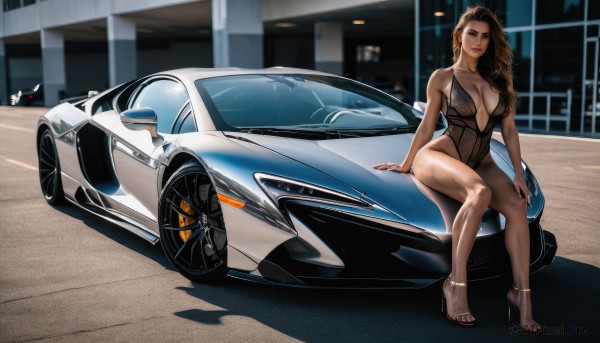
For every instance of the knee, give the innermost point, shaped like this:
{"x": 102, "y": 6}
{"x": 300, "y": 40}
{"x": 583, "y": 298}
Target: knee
{"x": 516, "y": 206}
{"x": 480, "y": 196}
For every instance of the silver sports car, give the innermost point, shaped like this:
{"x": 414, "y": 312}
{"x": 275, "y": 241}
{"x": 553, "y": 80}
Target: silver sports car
{"x": 266, "y": 175}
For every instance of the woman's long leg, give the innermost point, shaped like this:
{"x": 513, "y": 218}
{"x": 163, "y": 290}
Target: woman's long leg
{"x": 514, "y": 208}
{"x": 453, "y": 178}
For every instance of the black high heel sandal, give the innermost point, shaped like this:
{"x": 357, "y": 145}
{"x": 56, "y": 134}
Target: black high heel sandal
{"x": 445, "y": 306}
{"x": 513, "y": 307}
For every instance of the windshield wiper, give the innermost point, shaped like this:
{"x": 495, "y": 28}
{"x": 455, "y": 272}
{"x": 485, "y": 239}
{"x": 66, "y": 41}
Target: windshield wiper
{"x": 303, "y": 134}
{"x": 378, "y": 131}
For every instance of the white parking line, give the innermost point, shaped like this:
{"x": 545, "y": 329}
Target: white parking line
{"x": 534, "y": 135}
{"x": 11, "y": 115}
{"x": 581, "y": 139}
{"x": 22, "y": 164}
{"x": 591, "y": 167}
{"x": 17, "y": 128}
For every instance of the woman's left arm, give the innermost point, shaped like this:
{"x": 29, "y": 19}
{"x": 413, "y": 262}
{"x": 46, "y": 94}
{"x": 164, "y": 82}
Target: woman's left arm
{"x": 511, "y": 140}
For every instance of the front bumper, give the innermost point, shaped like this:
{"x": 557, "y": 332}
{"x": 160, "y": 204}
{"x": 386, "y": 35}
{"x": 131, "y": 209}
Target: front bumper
{"x": 548, "y": 251}
{"x": 375, "y": 257}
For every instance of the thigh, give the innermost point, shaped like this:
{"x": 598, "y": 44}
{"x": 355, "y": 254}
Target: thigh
{"x": 504, "y": 196}
{"x": 445, "y": 174}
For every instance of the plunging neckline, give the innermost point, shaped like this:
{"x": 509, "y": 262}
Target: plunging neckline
{"x": 474, "y": 115}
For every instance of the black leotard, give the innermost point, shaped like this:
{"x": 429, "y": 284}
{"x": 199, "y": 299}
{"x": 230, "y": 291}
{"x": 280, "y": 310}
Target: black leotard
{"x": 472, "y": 144}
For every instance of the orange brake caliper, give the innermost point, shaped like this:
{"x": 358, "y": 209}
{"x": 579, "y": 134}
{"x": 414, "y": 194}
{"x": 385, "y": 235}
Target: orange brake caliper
{"x": 183, "y": 221}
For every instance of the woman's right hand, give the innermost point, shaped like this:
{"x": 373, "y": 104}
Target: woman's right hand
{"x": 395, "y": 167}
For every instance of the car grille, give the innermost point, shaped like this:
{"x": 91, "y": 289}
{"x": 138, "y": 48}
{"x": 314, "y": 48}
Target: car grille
{"x": 488, "y": 251}
{"x": 370, "y": 250}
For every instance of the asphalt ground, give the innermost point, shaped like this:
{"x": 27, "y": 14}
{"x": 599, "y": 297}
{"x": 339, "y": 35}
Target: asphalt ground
{"x": 66, "y": 275}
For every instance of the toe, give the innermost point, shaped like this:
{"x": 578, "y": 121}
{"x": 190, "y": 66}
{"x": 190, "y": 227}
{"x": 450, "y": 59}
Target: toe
{"x": 465, "y": 318}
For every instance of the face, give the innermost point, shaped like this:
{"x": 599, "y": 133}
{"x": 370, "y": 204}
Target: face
{"x": 475, "y": 38}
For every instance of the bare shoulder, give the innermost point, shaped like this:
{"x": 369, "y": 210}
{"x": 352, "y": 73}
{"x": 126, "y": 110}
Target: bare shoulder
{"x": 439, "y": 78}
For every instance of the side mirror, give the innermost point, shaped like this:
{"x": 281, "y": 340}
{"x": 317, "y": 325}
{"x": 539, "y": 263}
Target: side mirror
{"x": 419, "y": 110}
{"x": 92, "y": 93}
{"x": 420, "y": 107}
{"x": 139, "y": 119}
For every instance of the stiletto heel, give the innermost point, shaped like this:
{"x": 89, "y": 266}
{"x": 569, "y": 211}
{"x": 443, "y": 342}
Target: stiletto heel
{"x": 514, "y": 308}
{"x": 443, "y": 301}
{"x": 511, "y": 307}
{"x": 445, "y": 304}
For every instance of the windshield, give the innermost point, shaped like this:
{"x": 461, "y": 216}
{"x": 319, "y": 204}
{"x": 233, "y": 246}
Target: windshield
{"x": 300, "y": 102}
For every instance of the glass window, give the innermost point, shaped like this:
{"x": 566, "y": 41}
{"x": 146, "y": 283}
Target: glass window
{"x": 558, "y": 59}
{"x": 11, "y": 4}
{"x": 165, "y": 97}
{"x": 185, "y": 120}
{"x": 14, "y": 4}
{"x": 436, "y": 13}
{"x": 517, "y": 13}
{"x": 188, "y": 124}
{"x": 300, "y": 101}
{"x": 557, "y": 11}
{"x": 520, "y": 43}
{"x": 593, "y": 9}
{"x": 435, "y": 52}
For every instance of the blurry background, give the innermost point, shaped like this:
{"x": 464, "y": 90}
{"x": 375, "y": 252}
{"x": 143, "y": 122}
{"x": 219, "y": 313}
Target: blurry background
{"x": 72, "y": 46}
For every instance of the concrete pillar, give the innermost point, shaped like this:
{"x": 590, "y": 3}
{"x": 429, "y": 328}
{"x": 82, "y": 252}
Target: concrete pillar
{"x": 237, "y": 33}
{"x": 122, "y": 50}
{"x": 4, "y": 96}
{"x": 53, "y": 66}
{"x": 329, "y": 47}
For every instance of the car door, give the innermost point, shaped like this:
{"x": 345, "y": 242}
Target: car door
{"x": 136, "y": 158}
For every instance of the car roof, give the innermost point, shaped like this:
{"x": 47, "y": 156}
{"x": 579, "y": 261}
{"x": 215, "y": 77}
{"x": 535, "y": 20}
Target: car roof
{"x": 192, "y": 74}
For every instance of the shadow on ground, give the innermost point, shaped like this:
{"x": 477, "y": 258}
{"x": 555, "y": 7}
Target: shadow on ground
{"x": 565, "y": 298}
{"x": 117, "y": 234}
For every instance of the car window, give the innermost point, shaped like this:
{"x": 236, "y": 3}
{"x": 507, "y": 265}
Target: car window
{"x": 185, "y": 120}
{"x": 165, "y": 97}
{"x": 300, "y": 101}
{"x": 188, "y": 124}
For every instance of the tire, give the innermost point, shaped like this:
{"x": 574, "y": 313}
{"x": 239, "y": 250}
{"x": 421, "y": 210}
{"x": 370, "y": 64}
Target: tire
{"x": 49, "y": 169}
{"x": 192, "y": 231}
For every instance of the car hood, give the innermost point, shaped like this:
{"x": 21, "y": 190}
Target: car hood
{"x": 350, "y": 160}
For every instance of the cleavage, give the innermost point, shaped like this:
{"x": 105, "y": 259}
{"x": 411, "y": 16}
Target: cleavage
{"x": 467, "y": 100}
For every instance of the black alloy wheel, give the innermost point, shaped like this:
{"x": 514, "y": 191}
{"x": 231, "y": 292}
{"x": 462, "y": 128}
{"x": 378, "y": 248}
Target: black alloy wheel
{"x": 192, "y": 231}
{"x": 49, "y": 169}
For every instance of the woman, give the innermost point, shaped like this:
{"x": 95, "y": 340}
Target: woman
{"x": 475, "y": 93}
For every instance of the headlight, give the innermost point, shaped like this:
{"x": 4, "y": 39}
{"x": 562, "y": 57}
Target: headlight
{"x": 532, "y": 185}
{"x": 279, "y": 189}
{"x": 536, "y": 203}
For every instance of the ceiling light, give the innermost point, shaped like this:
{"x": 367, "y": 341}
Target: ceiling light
{"x": 285, "y": 24}
{"x": 358, "y": 22}
{"x": 439, "y": 14}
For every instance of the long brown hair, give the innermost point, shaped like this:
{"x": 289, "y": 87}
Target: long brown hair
{"x": 495, "y": 66}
